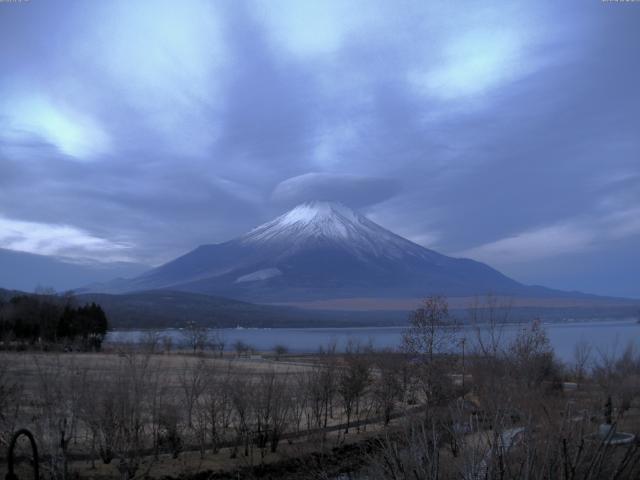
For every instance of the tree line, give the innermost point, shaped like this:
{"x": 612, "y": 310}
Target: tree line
{"x": 46, "y": 319}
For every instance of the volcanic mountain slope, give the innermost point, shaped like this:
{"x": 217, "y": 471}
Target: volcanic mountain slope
{"x": 320, "y": 251}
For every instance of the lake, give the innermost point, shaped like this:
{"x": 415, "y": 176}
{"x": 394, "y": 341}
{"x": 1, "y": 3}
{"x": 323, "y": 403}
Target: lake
{"x": 609, "y": 337}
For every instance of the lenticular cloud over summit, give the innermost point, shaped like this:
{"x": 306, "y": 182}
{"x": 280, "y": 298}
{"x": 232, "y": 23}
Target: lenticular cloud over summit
{"x": 354, "y": 190}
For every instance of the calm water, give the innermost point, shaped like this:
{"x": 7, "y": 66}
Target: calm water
{"x": 610, "y": 337}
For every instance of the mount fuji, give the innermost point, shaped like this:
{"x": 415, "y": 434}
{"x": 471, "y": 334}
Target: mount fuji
{"x": 322, "y": 251}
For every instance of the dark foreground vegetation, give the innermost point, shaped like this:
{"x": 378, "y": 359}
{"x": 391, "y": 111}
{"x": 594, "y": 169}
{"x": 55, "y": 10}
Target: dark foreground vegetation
{"x": 500, "y": 408}
{"x": 47, "y": 320}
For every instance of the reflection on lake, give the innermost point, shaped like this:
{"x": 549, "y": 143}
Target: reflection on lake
{"x": 604, "y": 336}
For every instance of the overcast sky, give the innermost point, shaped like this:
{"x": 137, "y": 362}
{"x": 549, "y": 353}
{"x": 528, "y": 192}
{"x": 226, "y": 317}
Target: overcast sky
{"x": 504, "y": 131}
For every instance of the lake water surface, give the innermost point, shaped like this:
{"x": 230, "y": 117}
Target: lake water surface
{"x": 608, "y": 337}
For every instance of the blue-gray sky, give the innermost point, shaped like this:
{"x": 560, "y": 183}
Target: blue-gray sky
{"x": 508, "y": 132}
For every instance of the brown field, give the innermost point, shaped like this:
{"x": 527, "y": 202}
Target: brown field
{"x": 67, "y": 387}
{"x": 130, "y": 413}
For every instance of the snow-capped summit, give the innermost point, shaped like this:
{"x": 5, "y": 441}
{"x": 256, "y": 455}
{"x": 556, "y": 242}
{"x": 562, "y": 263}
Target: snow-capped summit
{"x": 322, "y": 250}
{"x": 331, "y": 223}
{"x": 314, "y": 219}
{"x": 318, "y": 212}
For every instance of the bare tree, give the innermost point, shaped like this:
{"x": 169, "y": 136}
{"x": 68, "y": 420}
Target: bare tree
{"x": 619, "y": 376}
{"x": 171, "y": 436}
{"x": 322, "y": 386}
{"x": 581, "y": 358}
{"x": 219, "y": 406}
{"x": 413, "y": 454}
{"x": 167, "y": 343}
{"x": 100, "y": 414}
{"x": 429, "y": 339}
{"x": 241, "y": 348}
{"x": 280, "y": 350}
{"x": 489, "y": 318}
{"x": 432, "y": 330}
{"x": 150, "y": 341}
{"x": 129, "y": 402}
{"x": 60, "y": 388}
{"x": 193, "y": 383}
{"x": 299, "y": 394}
{"x": 530, "y": 354}
{"x": 241, "y": 399}
{"x": 387, "y": 386}
{"x": 270, "y": 410}
{"x": 353, "y": 379}
{"x": 512, "y": 376}
{"x": 216, "y": 342}
{"x": 195, "y": 336}
{"x": 553, "y": 445}
{"x": 156, "y": 392}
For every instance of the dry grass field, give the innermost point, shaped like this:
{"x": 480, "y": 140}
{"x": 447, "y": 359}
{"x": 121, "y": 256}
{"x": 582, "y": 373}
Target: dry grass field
{"x": 172, "y": 408}
{"x": 133, "y": 413}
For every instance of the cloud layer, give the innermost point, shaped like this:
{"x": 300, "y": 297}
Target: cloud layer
{"x": 507, "y": 132}
{"x": 358, "y": 191}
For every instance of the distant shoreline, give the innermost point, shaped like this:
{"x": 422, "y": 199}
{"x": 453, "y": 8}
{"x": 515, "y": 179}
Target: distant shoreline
{"x": 575, "y": 322}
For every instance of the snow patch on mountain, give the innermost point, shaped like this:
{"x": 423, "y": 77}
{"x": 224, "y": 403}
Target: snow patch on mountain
{"x": 259, "y": 275}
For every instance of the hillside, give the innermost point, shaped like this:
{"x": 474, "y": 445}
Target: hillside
{"x": 325, "y": 251}
{"x": 163, "y": 308}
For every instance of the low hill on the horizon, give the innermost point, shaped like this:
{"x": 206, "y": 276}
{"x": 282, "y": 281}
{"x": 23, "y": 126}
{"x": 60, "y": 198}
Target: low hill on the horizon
{"x": 173, "y": 309}
{"x": 165, "y": 309}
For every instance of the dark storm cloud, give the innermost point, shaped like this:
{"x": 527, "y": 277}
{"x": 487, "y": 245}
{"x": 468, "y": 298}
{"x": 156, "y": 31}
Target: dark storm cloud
{"x": 507, "y": 132}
